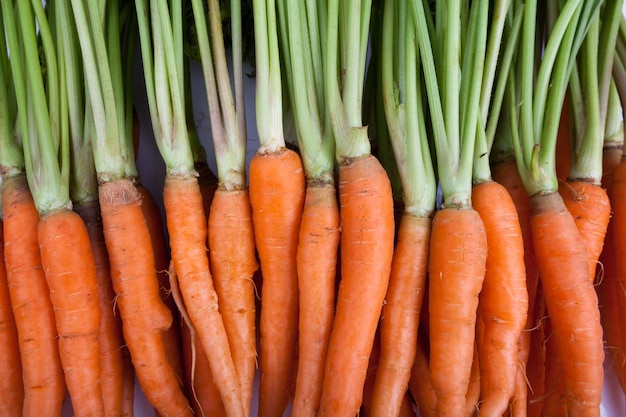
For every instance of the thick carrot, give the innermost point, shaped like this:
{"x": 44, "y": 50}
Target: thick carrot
{"x": 400, "y": 315}
{"x": 458, "y": 255}
{"x": 233, "y": 262}
{"x": 144, "y": 316}
{"x": 114, "y": 365}
{"x": 187, "y": 227}
{"x": 277, "y": 197}
{"x": 316, "y": 267}
{"x": 44, "y": 385}
{"x": 11, "y": 385}
{"x": 589, "y": 204}
{"x": 367, "y": 234}
{"x": 503, "y": 301}
{"x": 70, "y": 270}
{"x": 569, "y": 295}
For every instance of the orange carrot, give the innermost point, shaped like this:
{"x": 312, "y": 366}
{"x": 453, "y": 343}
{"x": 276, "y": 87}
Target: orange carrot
{"x": 316, "y": 267}
{"x": 589, "y": 204}
{"x": 233, "y": 262}
{"x": 70, "y": 270}
{"x": 204, "y": 396}
{"x": 554, "y": 401}
{"x": 144, "y": 316}
{"x": 503, "y": 301}
{"x": 457, "y": 260}
{"x": 187, "y": 227}
{"x": 11, "y": 385}
{"x": 44, "y": 386}
{"x": 536, "y": 363}
{"x": 114, "y": 365}
{"x": 366, "y": 208}
{"x": 569, "y": 294}
{"x": 277, "y": 198}
{"x": 419, "y": 384}
{"x": 400, "y": 315}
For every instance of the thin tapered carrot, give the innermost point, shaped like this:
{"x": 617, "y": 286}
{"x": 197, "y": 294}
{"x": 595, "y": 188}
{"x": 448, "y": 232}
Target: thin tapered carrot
{"x": 11, "y": 385}
{"x": 400, "y": 315}
{"x": 419, "y": 384}
{"x": 536, "y": 363}
{"x": 277, "y": 197}
{"x": 113, "y": 362}
{"x": 44, "y": 388}
{"x": 233, "y": 262}
{"x": 503, "y": 302}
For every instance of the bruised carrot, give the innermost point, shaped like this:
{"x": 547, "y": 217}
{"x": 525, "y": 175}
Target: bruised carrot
{"x": 44, "y": 388}
{"x": 11, "y": 385}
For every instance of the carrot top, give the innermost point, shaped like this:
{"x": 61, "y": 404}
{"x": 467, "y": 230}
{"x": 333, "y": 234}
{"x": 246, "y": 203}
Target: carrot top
{"x": 226, "y": 107}
{"x": 42, "y": 113}
{"x": 303, "y": 62}
{"x": 589, "y": 90}
{"x": 453, "y": 75}
{"x": 403, "y": 104}
{"x": 536, "y": 89}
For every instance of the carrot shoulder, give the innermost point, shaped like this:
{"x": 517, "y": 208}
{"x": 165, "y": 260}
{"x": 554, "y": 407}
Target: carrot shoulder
{"x": 144, "y": 316}
{"x": 277, "y": 196}
{"x": 367, "y": 235}
{"x": 44, "y": 386}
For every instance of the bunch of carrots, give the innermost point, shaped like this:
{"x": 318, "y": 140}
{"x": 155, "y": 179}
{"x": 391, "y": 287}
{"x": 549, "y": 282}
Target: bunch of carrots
{"x": 431, "y": 224}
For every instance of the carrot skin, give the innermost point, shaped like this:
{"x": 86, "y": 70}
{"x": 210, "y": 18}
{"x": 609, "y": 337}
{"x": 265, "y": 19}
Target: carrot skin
{"x": 233, "y": 263}
{"x": 113, "y": 363}
{"x": 503, "y": 301}
{"x": 70, "y": 270}
{"x": 144, "y": 315}
{"x": 316, "y": 265}
{"x": 571, "y": 302}
{"x": 400, "y": 315}
{"x": 11, "y": 384}
{"x": 419, "y": 385}
{"x": 367, "y": 239}
{"x": 458, "y": 255}
{"x": 187, "y": 227}
{"x": 44, "y": 386}
{"x": 277, "y": 188}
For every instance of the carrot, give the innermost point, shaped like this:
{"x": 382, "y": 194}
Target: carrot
{"x": 407, "y": 283}
{"x": 136, "y": 286}
{"x": 11, "y": 385}
{"x": 44, "y": 387}
{"x": 503, "y": 302}
{"x": 233, "y": 261}
{"x": 554, "y": 401}
{"x": 113, "y": 362}
{"x": 282, "y": 174}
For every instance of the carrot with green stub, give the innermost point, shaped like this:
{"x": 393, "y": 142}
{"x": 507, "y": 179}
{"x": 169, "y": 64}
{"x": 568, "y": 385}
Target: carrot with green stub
{"x": 570, "y": 297}
{"x": 66, "y": 255}
{"x": 406, "y": 123}
{"x": 230, "y": 233}
{"x": 318, "y": 240}
{"x": 160, "y": 28}
{"x": 458, "y": 248}
{"x": 131, "y": 256}
{"x": 277, "y": 187}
